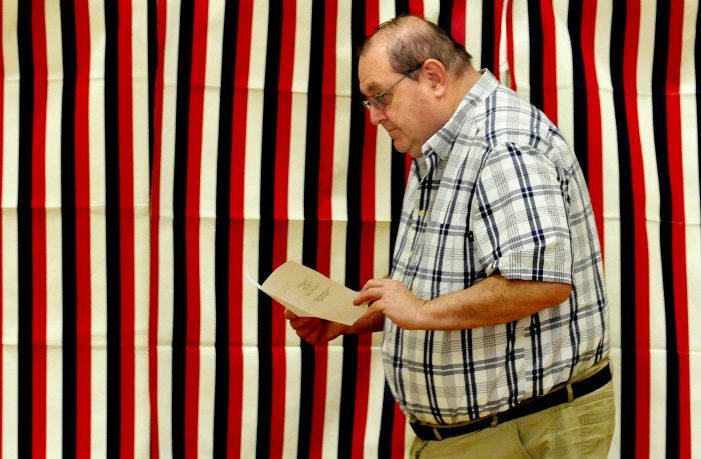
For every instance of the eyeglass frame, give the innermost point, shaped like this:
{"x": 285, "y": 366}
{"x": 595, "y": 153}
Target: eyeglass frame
{"x": 375, "y": 101}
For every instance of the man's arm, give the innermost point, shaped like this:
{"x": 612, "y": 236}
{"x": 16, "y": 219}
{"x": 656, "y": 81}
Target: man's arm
{"x": 495, "y": 300}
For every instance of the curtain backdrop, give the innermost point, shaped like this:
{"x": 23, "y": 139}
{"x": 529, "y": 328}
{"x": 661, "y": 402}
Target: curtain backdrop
{"x": 156, "y": 155}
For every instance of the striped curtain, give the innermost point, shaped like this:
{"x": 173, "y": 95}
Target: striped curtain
{"x": 155, "y": 155}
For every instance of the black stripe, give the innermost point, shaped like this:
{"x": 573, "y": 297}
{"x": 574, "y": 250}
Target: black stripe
{"x": 222, "y": 234}
{"x": 267, "y": 225}
{"x": 180, "y": 268}
{"x": 152, "y": 69}
{"x": 113, "y": 266}
{"x": 384, "y": 446}
{"x": 401, "y": 7}
{"x": 535, "y": 32}
{"x": 488, "y": 37}
{"x": 68, "y": 228}
{"x": 445, "y": 16}
{"x": 659, "y": 120}
{"x": 311, "y": 212}
{"x": 24, "y": 229}
{"x": 627, "y": 230}
{"x": 579, "y": 86}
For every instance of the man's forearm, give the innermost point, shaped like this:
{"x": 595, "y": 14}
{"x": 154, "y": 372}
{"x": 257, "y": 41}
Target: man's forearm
{"x": 495, "y": 300}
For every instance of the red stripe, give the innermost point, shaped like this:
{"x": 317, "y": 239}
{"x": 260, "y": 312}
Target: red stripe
{"x": 510, "y": 43}
{"x": 126, "y": 215}
{"x": 594, "y": 126}
{"x": 161, "y": 12}
{"x": 676, "y": 175}
{"x": 416, "y": 7}
{"x": 236, "y": 230}
{"x": 39, "y": 232}
{"x": 458, "y": 22}
{"x": 192, "y": 226}
{"x": 642, "y": 295}
{"x": 398, "y": 428}
{"x": 549, "y": 60}
{"x": 498, "y": 8}
{"x": 82, "y": 190}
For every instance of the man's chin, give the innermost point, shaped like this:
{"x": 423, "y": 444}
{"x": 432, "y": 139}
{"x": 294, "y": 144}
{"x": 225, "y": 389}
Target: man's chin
{"x": 400, "y": 146}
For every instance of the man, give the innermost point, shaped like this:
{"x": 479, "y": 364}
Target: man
{"x": 495, "y": 321}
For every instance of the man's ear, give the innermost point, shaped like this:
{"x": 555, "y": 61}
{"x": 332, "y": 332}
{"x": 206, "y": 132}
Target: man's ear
{"x": 437, "y": 75}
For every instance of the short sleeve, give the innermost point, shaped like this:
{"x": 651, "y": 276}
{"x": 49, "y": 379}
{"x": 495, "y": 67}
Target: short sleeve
{"x": 520, "y": 221}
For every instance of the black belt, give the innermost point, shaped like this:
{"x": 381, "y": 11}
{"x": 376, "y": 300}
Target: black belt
{"x": 564, "y": 394}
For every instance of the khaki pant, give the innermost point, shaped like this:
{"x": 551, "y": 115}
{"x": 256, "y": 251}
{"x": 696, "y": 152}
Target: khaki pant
{"x": 579, "y": 429}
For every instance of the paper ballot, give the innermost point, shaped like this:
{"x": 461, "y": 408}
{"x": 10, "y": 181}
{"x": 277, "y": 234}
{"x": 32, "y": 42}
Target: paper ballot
{"x": 309, "y": 293}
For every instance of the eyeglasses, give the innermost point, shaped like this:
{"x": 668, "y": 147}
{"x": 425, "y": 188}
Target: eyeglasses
{"x": 379, "y": 100}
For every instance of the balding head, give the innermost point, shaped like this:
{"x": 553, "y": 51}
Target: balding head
{"x": 410, "y": 40}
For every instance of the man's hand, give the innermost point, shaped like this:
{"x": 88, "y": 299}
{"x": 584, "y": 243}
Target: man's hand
{"x": 314, "y": 330}
{"x": 393, "y": 299}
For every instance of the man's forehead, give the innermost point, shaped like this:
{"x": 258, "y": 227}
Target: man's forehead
{"x": 373, "y": 69}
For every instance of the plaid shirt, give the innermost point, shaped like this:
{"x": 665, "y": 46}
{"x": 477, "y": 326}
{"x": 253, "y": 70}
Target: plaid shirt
{"x": 497, "y": 190}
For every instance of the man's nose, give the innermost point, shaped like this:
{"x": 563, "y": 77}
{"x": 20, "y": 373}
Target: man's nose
{"x": 377, "y": 115}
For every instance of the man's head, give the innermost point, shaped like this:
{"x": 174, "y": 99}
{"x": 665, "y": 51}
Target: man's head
{"x": 415, "y": 76}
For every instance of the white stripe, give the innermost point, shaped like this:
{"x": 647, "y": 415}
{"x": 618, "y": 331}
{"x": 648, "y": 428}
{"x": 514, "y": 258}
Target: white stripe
{"x": 332, "y": 405}
{"x": 615, "y": 359}
{"x": 375, "y": 397}
{"x": 432, "y": 9}
{"x": 473, "y": 32}
{"x": 296, "y": 173}
{"x": 564, "y": 77}
{"x": 521, "y": 45}
{"x": 10, "y": 156}
{"x": 249, "y": 314}
{"x": 254, "y": 122}
{"x": 207, "y": 213}
{"x": 387, "y": 11}
{"x": 341, "y": 137}
{"x": 293, "y": 376}
{"x": 383, "y": 176}
{"x": 652, "y": 213}
{"x": 298, "y": 118}
{"x": 692, "y": 188}
{"x": 259, "y": 43}
{"x": 98, "y": 237}
{"x": 341, "y": 158}
{"x": 54, "y": 286}
{"x": 249, "y": 408}
{"x": 140, "y": 126}
{"x": 207, "y": 382}
{"x": 293, "y": 358}
{"x": 611, "y": 200}
{"x": 165, "y": 232}
{"x": 334, "y": 363}
{"x": 254, "y": 117}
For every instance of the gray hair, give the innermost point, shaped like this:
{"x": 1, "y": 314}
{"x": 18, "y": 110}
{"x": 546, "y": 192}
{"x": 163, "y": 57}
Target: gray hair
{"x": 412, "y": 40}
